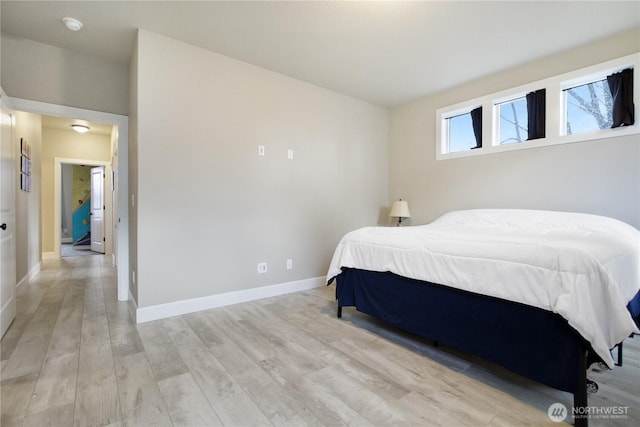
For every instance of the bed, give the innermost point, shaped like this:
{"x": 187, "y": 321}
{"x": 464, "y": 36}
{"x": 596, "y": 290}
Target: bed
{"x": 541, "y": 293}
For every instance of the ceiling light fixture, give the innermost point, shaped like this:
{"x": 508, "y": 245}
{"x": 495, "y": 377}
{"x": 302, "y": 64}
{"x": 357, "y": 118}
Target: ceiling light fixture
{"x": 72, "y": 23}
{"x": 80, "y": 128}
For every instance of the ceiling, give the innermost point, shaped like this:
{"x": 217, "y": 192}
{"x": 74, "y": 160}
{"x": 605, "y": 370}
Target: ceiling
{"x": 62, "y": 123}
{"x": 384, "y": 52}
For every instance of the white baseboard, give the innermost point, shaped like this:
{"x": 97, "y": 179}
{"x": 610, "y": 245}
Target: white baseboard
{"x": 22, "y": 281}
{"x": 30, "y": 275}
{"x": 7, "y": 314}
{"x": 50, "y": 255}
{"x": 133, "y": 307}
{"x": 34, "y": 271}
{"x": 177, "y": 308}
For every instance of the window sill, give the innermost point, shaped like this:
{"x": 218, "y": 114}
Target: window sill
{"x": 544, "y": 142}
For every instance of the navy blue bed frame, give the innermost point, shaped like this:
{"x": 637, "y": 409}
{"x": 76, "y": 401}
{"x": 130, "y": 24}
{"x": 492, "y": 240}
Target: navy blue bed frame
{"x": 529, "y": 341}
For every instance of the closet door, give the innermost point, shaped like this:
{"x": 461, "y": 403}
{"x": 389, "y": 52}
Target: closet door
{"x": 7, "y": 217}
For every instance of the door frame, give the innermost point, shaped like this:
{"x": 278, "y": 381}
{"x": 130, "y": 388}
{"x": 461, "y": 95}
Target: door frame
{"x": 57, "y": 195}
{"x": 105, "y": 219}
{"x": 122, "y": 187}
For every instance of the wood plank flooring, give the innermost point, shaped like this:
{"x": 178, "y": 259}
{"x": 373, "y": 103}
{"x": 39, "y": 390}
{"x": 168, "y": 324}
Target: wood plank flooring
{"x": 73, "y": 357}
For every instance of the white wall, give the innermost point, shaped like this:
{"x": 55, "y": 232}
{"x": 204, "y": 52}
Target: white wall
{"x": 600, "y": 177}
{"x": 132, "y": 172}
{"x": 41, "y": 72}
{"x": 208, "y": 208}
{"x": 28, "y": 254}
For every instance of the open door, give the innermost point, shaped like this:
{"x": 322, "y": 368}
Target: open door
{"x": 97, "y": 209}
{"x": 7, "y": 219}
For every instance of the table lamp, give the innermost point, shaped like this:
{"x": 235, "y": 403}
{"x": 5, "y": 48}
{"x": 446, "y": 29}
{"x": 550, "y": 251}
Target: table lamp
{"x": 400, "y": 209}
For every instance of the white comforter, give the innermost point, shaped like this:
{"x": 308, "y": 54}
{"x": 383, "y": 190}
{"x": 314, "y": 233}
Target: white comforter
{"x": 584, "y": 267}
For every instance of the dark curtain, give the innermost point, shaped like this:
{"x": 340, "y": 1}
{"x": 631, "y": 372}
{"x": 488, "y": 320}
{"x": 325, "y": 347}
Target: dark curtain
{"x": 536, "y": 118}
{"x": 621, "y": 86}
{"x": 476, "y": 121}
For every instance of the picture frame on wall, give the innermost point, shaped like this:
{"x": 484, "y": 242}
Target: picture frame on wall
{"x": 25, "y": 148}
{"x": 25, "y": 182}
{"x": 25, "y": 165}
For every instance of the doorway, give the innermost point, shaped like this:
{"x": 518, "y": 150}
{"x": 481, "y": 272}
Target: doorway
{"x": 82, "y": 191}
{"x": 82, "y": 200}
{"x": 119, "y": 177}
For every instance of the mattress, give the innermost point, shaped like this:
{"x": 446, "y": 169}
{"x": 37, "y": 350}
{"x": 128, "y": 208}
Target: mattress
{"x": 584, "y": 267}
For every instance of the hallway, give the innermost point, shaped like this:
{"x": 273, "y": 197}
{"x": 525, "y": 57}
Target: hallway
{"x": 57, "y": 349}
{"x": 67, "y": 250}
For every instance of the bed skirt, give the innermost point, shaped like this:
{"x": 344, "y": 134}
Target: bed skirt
{"x": 529, "y": 341}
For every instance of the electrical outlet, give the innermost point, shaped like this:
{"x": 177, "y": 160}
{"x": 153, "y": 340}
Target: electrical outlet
{"x": 289, "y": 264}
{"x": 262, "y": 267}
{"x": 261, "y": 150}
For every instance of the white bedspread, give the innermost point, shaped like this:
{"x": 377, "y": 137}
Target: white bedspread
{"x": 584, "y": 267}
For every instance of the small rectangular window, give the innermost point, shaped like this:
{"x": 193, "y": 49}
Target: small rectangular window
{"x": 589, "y": 107}
{"x": 597, "y": 102}
{"x": 461, "y": 136}
{"x": 513, "y": 121}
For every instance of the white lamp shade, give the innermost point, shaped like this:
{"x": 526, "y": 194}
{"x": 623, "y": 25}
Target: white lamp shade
{"x": 400, "y": 209}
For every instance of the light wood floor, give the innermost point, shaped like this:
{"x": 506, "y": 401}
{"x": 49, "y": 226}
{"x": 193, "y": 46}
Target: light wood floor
{"x": 67, "y": 250}
{"x": 73, "y": 357}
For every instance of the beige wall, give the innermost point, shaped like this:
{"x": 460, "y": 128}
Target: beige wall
{"x": 208, "y": 208}
{"x": 113, "y": 195}
{"x": 41, "y": 72}
{"x": 64, "y": 144}
{"x": 132, "y": 153}
{"x": 28, "y": 254}
{"x": 601, "y": 177}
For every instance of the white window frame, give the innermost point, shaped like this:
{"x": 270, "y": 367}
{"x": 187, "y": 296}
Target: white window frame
{"x": 556, "y": 132}
{"x": 455, "y": 113}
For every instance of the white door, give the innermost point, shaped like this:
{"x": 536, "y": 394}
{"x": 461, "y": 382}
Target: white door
{"x": 7, "y": 218}
{"x": 97, "y": 209}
